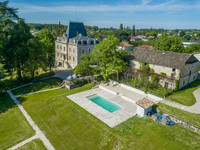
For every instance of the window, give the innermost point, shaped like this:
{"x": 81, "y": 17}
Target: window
{"x": 183, "y": 82}
{"x": 57, "y": 46}
{"x": 73, "y": 50}
{"x": 73, "y": 59}
{"x": 194, "y": 77}
{"x": 69, "y": 57}
{"x": 57, "y": 54}
{"x": 64, "y": 48}
{"x": 69, "y": 49}
{"x": 173, "y": 69}
{"x": 60, "y": 47}
{"x": 83, "y": 51}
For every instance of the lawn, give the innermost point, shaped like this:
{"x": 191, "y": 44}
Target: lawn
{"x": 33, "y": 145}
{"x": 186, "y": 116}
{"x": 185, "y": 95}
{"x": 14, "y": 128}
{"x": 38, "y": 86}
{"x": 68, "y": 126}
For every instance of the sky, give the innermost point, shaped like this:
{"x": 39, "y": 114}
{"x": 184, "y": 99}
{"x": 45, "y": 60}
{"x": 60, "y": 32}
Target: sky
{"x": 167, "y": 14}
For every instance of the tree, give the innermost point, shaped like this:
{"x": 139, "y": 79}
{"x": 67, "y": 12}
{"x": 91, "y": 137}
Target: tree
{"x": 35, "y": 60}
{"x": 182, "y": 33}
{"x": 15, "y": 51}
{"x": 169, "y": 43}
{"x": 153, "y": 33}
{"x": 133, "y": 31}
{"x": 121, "y": 27}
{"x": 109, "y": 59}
{"x": 47, "y": 41}
{"x": 122, "y": 35}
{"x": 84, "y": 67}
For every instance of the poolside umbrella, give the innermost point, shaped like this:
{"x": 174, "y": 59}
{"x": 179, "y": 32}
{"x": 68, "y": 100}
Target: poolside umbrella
{"x": 74, "y": 76}
{"x": 69, "y": 77}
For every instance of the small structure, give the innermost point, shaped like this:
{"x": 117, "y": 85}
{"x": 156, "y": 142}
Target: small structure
{"x": 144, "y": 106}
{"x": 135, "y": 39}
{"x": 125, "y": 46}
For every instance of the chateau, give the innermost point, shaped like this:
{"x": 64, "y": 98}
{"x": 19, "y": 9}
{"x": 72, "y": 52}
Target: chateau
{"x": 72, "y": 45}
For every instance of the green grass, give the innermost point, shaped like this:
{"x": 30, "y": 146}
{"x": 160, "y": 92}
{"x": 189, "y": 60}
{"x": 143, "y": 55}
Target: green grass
{"x": 33, "y": 145}
{"x": 13, "y": 82}
{"x": 38, "y": 86}
{"x": 68, "y": 125}
{"x": 186, "y": 116}
{"x": 185, "y": 95}
{"x": 14, "y": 128}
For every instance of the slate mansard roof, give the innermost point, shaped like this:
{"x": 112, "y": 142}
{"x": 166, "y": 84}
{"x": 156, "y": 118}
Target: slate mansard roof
{"x": 74, "y": 29}
{"x": 83, "y": 40}
{"x": 162, "y": 58}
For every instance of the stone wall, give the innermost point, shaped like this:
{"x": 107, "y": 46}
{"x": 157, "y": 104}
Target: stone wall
{"x": 183, "y": 123}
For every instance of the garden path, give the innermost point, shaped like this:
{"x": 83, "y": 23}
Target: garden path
{"x": 39, "y": 133}
{"x": 192, "y": 109}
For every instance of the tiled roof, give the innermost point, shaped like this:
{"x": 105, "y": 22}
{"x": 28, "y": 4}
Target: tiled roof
{"x": 162, "y": 58}
{"x": 125, "y": 44}
{"x": 74, "y": 29}
{"x": 145, "y": 103}
{"x": 135, "y": 37}
{"x": 145, "y": 47}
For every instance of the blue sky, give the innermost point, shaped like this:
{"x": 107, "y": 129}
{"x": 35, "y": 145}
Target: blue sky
{"x": 168, "y": 14}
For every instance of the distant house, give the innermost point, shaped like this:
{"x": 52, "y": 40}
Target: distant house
{"x": 135, "y": 39}
{"x": 149, "y": 47}
{"x": 72, "y": 45}
{"x": 170, "y": 66}
{"x": 125, "y": 46}
{"x": 185, "y": 44}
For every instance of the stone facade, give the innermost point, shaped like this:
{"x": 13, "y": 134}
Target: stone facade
{"x": 169, "y": 68}
{"x": 72, "y": 45}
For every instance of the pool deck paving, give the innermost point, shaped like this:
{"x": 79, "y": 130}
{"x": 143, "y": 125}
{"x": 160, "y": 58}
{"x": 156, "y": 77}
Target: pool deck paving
{"x": 114, "y": 93}
{"x": 127, "y": 111}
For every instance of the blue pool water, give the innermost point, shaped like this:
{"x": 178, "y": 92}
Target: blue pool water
{"x": 106, "y": 104}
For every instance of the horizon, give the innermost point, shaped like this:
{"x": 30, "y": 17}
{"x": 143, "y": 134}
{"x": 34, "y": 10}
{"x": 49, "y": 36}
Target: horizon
{"x": 144, "y": 14}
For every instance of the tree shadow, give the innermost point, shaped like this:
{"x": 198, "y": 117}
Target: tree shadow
{"x": 6, "y": 103}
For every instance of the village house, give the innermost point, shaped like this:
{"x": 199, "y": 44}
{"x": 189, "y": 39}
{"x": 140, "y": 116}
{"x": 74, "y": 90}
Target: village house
{"x": 125, "y": 46}
{"x": 72, "y": 45}
{"x": 170, "y": 66}
{"x": 145, "y": 47}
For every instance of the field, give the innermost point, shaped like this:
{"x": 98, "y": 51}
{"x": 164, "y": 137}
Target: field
{"x": 33, "y": 145}
{"x": 42, "y": 85}
{"x": 13, "y": 126}
{"x": 67, "y": 125}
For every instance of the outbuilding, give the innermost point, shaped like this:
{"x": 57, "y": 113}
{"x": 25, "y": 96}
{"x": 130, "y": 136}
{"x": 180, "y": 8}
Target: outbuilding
{"x": 144, "y": 106}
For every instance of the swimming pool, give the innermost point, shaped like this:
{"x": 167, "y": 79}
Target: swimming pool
{"x": 104, "y": 103}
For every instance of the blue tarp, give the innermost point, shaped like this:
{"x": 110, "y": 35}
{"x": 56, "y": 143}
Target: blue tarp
{"x": 160, "y": 117}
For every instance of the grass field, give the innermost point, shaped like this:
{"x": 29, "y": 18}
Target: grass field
{"x": 68, "y": 126}
{"x": 42, "y": 85}
{"x": 14, "y": 128}
{"x": 186, "y": 116}
{"x": 33, "y": 145}
{"x": 185, "y": 95}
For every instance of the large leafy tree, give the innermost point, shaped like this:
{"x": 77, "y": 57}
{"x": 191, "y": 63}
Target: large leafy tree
{"x": 169, "y": 43}
{"x": 109, "y": 59}
{"x": 85, "y": 66}
{"x": 15, "y": 51}
{"x": 35, "y": 60}
{"x": 48, "y": 48}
